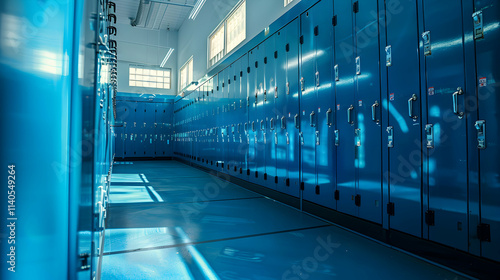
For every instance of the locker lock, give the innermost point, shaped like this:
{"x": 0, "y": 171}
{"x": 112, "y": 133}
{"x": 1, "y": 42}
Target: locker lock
{"x": 481, "y": 134}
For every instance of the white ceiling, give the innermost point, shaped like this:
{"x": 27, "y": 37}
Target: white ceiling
{"x": 157, "y": 14}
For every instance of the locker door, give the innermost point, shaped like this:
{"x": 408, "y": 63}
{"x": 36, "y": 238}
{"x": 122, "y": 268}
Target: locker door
{"x": 130, "y": 129}
{"x": 489, "y": 101}
{"x": 292, "y": 109}
{"x": 368, "y": 126}
{"x": 252, "y": 113}
{"x": 325, "y": 144}
{"x": 244, "y": 114}
{"x": 270, "y": 112}
{"x": 280, "y": 68}
{"x": 344, "y": 71}
{"x": 261, "y": 125}
{"x": 308, "y": 105}
{"x": 158, "y": 136}
{"x": 119, "y": 139}
{"x": 140, "y": 121}
{"x": 404, "y": 127}
{"x": 150, "y": 113}
{"x": 446, "y": 139}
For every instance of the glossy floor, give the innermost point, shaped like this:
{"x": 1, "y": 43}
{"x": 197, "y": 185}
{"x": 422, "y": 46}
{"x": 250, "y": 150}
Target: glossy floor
{"x": 170, "y": 221}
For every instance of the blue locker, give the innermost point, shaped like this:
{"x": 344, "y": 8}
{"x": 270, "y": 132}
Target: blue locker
{"x": 138, "y": 147}
{"x": 446, "y": 152}
{"x": 244, "y": 105}
{"x": 308, "y": 105}
{"x": 159, "y": 130}
{"x": 368, "y": 126}
{"x": 253, "y": 114}
{"x": 292, "y": 110}
{"x": 487, "y": 127}
{"x": 344, "y": 72}
{"x": 404, "y": 127}
{"x": 130, "y": 131}
{"x": 270, "y": 136}
{"x": 280, "y": 113}
{"x": 324, "y": 138}
{"x": 260, "y": 123}
{"x": 119, "y": 140}
{"x": 149, "y": 129}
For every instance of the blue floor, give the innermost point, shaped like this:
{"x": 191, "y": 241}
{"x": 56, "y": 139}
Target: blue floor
{"x": 170, "y": 221}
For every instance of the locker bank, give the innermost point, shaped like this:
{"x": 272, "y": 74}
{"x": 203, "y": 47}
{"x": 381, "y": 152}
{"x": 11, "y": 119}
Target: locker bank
{"x": 250, "y": 139}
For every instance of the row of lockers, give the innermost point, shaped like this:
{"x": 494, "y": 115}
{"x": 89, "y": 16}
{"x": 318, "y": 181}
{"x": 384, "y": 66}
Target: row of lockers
{"x": 144, "y": 129}
{"x": 377, "y": 111}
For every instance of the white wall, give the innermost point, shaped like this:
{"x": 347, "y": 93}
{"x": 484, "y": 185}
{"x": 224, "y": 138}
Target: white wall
{"x": 145, "y": 47}
{"x": 193, "y": 35}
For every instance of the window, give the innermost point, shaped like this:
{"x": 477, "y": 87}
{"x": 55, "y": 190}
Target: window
{"x": 149, "y": 77}
{"x": 230, "y": 33}
{"x": 186, "y": 74}
{"x": 287, "y": 2}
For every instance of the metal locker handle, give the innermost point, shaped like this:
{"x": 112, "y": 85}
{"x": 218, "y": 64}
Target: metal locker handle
{"x": 429, "y": 131}
{"x": 283, "y": 123}
{"x": 410, "y": 106}
{"x": 311, "y": 119}
{"x": 262, "y": 125}
{"x": 296, "y": 121}
{"x": 455, "y": 102}
{"x": 349, "y": 114}
{"x": 481, "y": 134}
{"x": 301, "y": 137}
{"x": 265, "y": 95}
{"x": 358, "y": 137}
{"x": 276, "y": 138}
{"x": 374, "y": 111}
{"x": 253, "y": 126}
{"x": 272, "y": 124}
{"x": 329, "y": 120}
{"x": 256, "y": 95}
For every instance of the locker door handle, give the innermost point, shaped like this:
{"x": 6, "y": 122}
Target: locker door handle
{"x": 410, "y": 106}
{"x": 329, "y": 119}
{"x": 311, "y": 119}
{"x": 459, "y": 91}
{"x": 253, "y": 126}
{"x": 256, "y": 95}
{"x": 296, "y": 121}
{"x": 357, "y": 134}
{"x": 262, "y": 125}
{"x": 276, "y": 138}
{"x": 301, "y": 137}
{"x": 272, "y": 124}
{"x": 283, "y": 123}
{"x": 349, "y": 114}
{"x": 265, "y": 95}
{"x": 374, "y": 111}
{"x": 429, "y": 131}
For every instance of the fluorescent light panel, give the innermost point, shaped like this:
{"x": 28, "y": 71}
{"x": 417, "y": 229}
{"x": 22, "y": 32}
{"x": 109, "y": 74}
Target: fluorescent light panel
{"x": 167, "y": 56}
{"x": 196, "y": 9}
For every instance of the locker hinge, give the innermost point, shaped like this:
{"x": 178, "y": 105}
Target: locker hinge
{"x": 84, "y": 261}
{"x": 357, "y": 200}
{"x": 334, "y": 20}
{"x": 337, "y": 195}
{"x": 429, "y": 217}
{"x": 483, "y": 232}
{"x": 302, "y": 186}
{"x": 317, "y": 189}
{"x": 355, "y": 7}
{"x": 301, "y": 40}
{"x": 390, "y": 208}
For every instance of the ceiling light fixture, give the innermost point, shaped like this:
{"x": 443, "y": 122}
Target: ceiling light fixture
{"x": 196, "y": 9}
{"x": 167, "y": 56}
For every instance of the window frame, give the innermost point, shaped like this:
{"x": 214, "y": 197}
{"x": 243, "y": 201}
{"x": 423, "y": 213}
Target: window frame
{"x": 190, "y": 61}
{"x": 155, "y": 77}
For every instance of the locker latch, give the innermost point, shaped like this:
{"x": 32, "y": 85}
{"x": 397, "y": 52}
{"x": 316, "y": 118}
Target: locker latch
{"x": 287, "y": 88}
{"x": 329, "y": 120}
{"x": 301, "y": 136}
{"x": 426, "y": 37}
{"x": 317, "y": 138}
{"x": 481, "y": 134}
{"x": 336, "y": 137}
{"x": 283, "y": 123}
{"x": 390, "y": 137}
{"x": 311, "y": 119}
{"x": 336, "y": 70}
{"x": 265, "y": 138}
{"x": 275, "y": 92}
{"x": 429, "y": 132}
{"x": 317, "y": 78}
{"x": 388, "y": 56}
{"x": 302, "y": 86}
{"x": 272, "y": 124}
{"x": 287, "y": 139}
{"x": 84, "y": 261}
{"x": 478, "y": 25}
{"x": 358, "y": 65}
{"x": 265, "y": 95}
{"x": 357, "y": 137}
{"x": 276, "y": 138}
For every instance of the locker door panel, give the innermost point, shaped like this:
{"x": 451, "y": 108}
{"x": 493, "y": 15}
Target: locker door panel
{"x": 325, "y": 148}
{"x": 243, "y": 85}
{"x": 488, "y": 72}
{"x": 308, "y": 105}
{"x": 292, "y": 108}
{"x": 261, "y": 124}
{"x": 280, "y": 69}
{"x": 404, "y": 81}
{"x": 368, "y": 153}
{"x": 345, "y": 65}
{"x": 447, "y": 165}
{"x": 149, "y": 145}
{"x": 119, "y": 131}
{"x": 130, "y": 129}
{"x": 270, "y": 112}
{"x": 252, "y": 113}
